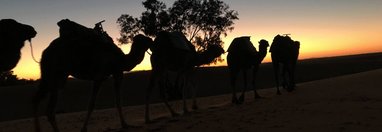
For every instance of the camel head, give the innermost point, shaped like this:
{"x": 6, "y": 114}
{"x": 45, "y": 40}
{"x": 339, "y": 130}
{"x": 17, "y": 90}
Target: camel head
{"x": 296, "y": 49}
{"x": 141, "y": 43}
{"x": 13, "y": 32}
{"x": 139, "y": 46}
{"x": 12, "y": 36}
{"x": 263, "y": 47}
{"x": 215, "y": 50}
{"x": 297, "y": 44}
{"x": 206, "y": 57}
{"x": 263, "y": 44}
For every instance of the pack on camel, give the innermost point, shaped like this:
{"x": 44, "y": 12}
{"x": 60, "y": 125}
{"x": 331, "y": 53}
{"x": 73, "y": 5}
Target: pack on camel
{"x": 243, "y": 56}
{"x": 172, "y": 52}
{"x": 12, "y": 37}
{"x": 284, "y": 51}
{"x": 86, "y": 54}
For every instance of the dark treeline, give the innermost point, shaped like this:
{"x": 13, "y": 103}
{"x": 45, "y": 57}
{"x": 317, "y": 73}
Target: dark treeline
{"x": 8, "y": 78}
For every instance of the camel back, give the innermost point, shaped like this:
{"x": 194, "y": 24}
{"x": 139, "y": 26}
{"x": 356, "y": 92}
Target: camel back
{"x": 281, "y": 43}
{"x": 242, "y": 44}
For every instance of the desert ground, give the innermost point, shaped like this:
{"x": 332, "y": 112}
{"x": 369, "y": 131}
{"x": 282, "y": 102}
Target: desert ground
{"x": 333, "y": 94}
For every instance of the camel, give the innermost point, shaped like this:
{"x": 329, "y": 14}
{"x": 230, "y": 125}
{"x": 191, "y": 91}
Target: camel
{"x": 243, "y": 56}
{"x": 85, "y": 54}
{"x": 172, "y": 52}
{"x": 284, "y": 51}
{"x": 12, "y": 36}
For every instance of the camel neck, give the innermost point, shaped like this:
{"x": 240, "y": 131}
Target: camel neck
{"x": 206, "y": 57}
{"x": 133, "y": 58}
{"x": 262, "y": 53}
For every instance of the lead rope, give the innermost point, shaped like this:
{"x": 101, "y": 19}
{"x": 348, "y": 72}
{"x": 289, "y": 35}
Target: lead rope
{"x": 148, "y": 52}
{"x": 34, "y": 59}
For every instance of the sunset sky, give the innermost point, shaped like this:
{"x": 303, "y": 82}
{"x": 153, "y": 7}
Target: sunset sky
{"x": 324, "y": 27}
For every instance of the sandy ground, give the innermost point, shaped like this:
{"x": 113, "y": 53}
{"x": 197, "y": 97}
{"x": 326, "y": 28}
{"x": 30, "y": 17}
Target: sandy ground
{"x": 349, "y": 103}
{"x": 16, "y": 101}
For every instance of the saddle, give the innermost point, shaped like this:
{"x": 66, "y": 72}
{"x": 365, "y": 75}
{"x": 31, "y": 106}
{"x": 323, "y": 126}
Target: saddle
{"x": 281, "y": 43}
{"x": 73, "y": 30}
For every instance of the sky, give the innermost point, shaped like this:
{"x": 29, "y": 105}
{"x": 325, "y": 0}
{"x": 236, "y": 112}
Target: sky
{"x": 324, "y": 27}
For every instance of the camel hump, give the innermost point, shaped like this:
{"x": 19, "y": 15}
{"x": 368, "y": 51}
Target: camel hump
{"x": 242, "y": 44}
{"x": 175, "y": 40}
{"x": 179, "y": 41}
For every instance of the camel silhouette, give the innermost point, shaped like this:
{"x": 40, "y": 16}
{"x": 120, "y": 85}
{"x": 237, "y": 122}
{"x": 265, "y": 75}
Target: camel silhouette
{"x": 243, "y": 56}
{"x": 284, "y": 51}
{"x": 12, "y": 37}
{"x": 172, "y": 52}
{"x": 85, "y": 54}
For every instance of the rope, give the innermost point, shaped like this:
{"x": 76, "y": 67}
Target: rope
{"x": 148, "y": 52}
{"x": 34, "y": 59}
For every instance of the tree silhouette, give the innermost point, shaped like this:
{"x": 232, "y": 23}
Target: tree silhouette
{"x": 204, "y": 22}
{"x": 8, "y": 78}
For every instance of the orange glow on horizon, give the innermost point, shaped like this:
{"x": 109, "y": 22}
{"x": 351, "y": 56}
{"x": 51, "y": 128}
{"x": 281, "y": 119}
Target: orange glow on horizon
{"x": 324, "y": 28}
{"x": 313, "y": 46}
{"x": 323, "y": 35}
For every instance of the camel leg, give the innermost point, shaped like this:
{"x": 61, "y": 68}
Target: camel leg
{"x": 257, "y": 96}
{"x": 293, "y": 69}
{"x": 148, "y": 94}
{"x": 53, "y": 86}
{"x": 233, "y": 84}
{"x": 41, "y": 93}
{"x": 51, "y": 109}
{"x": 96, "y": 87}
{"x": 294, "y": 73}
{"x": 290, "y": 87}
{"x": 117, "y": 85}
{"x": 162, "y": 86}
{"x": 194, "y": 91}
{"x": 242, "y": 96}
{"x": 194, "y": 100}
{"x": 36, "y": 116}
{"x": 154, "y": 79}
{"x": 276, "y": 72}
{"x": 184, "y": 93}
{"x": 284, "y": 77}
{"x": 180, "y": 83}
{"x": 49, "y": 84}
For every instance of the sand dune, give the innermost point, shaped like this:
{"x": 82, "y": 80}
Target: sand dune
{"x": 347, "y": 103}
